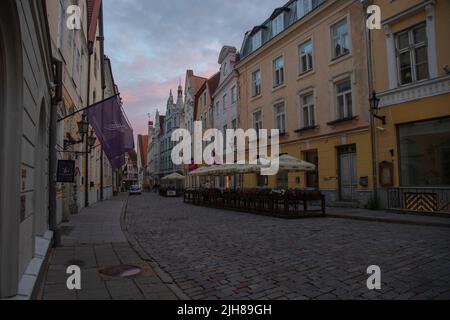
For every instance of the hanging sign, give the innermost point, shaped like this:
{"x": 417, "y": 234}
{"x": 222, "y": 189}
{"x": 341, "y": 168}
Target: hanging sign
{"x": 66, "y": 171}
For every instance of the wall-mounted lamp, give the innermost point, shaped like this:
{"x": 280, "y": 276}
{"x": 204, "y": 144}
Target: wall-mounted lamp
{"x": 374, "y": 107}
{"x": 83, "y": 129}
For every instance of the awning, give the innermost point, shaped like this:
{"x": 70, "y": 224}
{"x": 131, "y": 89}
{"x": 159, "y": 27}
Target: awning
{"x": 286, "y": 164}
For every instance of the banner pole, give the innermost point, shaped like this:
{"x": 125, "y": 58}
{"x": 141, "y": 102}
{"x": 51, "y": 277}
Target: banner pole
{"x": 87, "y": 108}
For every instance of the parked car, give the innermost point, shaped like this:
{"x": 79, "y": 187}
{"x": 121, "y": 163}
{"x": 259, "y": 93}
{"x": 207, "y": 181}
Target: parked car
{"x": 135, "y": 190}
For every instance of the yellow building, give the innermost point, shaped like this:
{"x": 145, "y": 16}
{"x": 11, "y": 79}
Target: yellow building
{"x": 304, "y": 71}
{"x": 410, "y": 54}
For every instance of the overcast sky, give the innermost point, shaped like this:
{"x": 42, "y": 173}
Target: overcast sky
{"x": 152, "y": 43}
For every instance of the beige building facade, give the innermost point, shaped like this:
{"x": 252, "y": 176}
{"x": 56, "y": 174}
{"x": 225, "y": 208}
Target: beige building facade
{"x": 304, "y": 71}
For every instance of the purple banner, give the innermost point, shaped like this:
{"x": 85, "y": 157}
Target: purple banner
{"x": 112, "y": 129}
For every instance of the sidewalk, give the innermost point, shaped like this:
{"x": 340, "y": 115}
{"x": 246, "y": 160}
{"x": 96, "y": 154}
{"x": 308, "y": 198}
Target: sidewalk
{"x": 388, "y": 217}
{"x": 93, "y": 240}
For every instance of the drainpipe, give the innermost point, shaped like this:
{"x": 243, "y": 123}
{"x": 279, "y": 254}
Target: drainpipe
{"x": 102, "y": 72}
{"x": 373, "y": 129}
{"x": 86, "y": 163}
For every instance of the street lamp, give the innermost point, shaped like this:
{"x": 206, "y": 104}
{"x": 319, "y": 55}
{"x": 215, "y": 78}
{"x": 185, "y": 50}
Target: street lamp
{"x": 91, "y": 140}
{"x": 374, "y": 107}
{"x": 83, "y": 128}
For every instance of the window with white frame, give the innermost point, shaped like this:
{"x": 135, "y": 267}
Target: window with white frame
{"x": 280, "y": 117}
{"x": 341, "y": 38}
{"x": 211, "y": 118}
{"x": 61, "y": 24}
{"x": 307, "y": 110}
{"x": 224, "y": 69}
{"x": 344, "y": 100}
{"x": 256, "y": 83}
{"x": 257, "y": 121}
{"x": 303, "y": 7}
{"x": 95, "y": 65}
{"x": 278, "y": 24}
{"x": 306, "y": 56}
{"x": 412, "y": 54}
{"x": 224, "y": 102}
{"x": 278, "y": 71}
{"x": 233, "y": 94}
{"x": 257, "y": 40}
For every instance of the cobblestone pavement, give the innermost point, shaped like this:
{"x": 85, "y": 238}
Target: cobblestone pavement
{"x": 216, "y": 254}
{"x": 93, "y": 240}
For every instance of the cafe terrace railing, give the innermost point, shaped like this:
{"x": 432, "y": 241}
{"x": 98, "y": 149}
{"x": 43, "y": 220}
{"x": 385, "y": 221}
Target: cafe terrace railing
{"x": 278, "y": 203}
{"x": 423, "y": 200}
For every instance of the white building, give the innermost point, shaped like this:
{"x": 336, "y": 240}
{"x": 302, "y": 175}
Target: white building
{"x": 155, "y": 144}
{"x": 142, "y": 153}
{"x": 226, "y": 101}
{"x": 26, "y": 83}
{"x": 172, "y": 122}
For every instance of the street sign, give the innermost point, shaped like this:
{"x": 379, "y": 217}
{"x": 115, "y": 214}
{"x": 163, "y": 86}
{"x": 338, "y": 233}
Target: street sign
{"x": 66, "y": 171}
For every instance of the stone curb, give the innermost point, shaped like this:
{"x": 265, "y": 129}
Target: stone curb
{"x": 391, "y": 221}
{"x": 135, "y": 245}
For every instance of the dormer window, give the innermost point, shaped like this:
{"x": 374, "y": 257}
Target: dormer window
{"x": 303, "y": 8}
{"x": 278, "y": 24}
{"x": 257, "y": 40}
{"x": 224, "y": 69}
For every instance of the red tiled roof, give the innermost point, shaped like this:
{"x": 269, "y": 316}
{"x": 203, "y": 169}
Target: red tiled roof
{"x": 93, "y": 12}
{"x": 213, "y": 83}
{"x": 143, "y": 147}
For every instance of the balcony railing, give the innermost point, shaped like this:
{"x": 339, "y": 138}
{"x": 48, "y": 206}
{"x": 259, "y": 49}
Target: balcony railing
{"x": 420, "y": 199}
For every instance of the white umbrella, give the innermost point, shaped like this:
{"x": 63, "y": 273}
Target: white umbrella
{"x": 287, "y": 163}
{"x": 174, "y": 177}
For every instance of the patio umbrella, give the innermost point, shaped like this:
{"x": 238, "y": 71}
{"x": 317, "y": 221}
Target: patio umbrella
{"x": 288, "y": 163}
{"x": 174, "y": 177}
{"x": 226, "y": 170}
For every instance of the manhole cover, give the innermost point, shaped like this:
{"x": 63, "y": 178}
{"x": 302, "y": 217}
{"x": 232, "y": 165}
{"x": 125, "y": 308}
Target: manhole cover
{"x": 122, "y": 271}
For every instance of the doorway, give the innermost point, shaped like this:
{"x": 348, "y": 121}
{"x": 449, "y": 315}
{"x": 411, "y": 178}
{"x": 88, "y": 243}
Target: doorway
{"x": 312, "y": 178}
{"x": 40, "y": 181}
{"x": 348, "y": 175}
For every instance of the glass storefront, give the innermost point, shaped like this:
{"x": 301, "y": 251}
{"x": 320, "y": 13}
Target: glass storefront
{"x": 425, "y": 153}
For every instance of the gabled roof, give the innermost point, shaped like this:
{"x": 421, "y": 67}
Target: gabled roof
{"x": 198, "y": 81}
{"x": 213, "y": 83}
{"x": 226, "y": 50}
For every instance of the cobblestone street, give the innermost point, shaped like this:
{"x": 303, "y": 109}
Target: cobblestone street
{"x": 215, "y": 254}
{"x": 94, "y": 241}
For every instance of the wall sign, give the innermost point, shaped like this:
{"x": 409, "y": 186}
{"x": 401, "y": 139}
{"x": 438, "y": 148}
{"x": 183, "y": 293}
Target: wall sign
{"x": 66, "y": 171}
{"x": 386, "y": 174}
